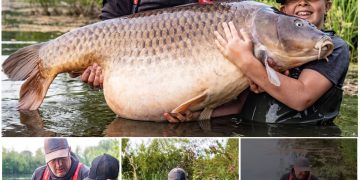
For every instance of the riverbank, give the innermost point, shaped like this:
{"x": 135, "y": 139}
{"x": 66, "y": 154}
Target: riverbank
{"x": 20, "y": 16}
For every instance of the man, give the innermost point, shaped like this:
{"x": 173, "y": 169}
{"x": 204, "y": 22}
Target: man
{"x": 104, "y": 167}
{"x": 177, "y": 174}
{"x": 61, "y": 163}
{"x": 300, "y": 171}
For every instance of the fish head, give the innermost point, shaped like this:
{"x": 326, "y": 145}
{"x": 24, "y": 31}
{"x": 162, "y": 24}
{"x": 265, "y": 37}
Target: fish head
{"x": 288, "y": 40}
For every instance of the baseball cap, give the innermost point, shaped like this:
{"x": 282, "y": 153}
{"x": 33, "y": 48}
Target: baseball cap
{"x": 55, "y": 148}
{"x": 104, "y": 167}
{"x": 177, "y": 174}
{"x": 302, "y": 164}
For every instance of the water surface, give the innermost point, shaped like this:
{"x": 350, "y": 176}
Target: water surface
{"x": 271, "y": 158}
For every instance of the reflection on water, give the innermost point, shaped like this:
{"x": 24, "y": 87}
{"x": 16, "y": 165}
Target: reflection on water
{"x": 271, "y": 158}
{"x": 71, "y": 108}
{"x": 17, "y": 177}
{"x": 11, "y": 41}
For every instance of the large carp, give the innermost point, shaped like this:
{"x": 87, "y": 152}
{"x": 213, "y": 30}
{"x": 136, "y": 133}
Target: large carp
{"x": 166, "y": 60}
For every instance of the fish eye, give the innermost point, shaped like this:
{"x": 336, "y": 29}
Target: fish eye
{"x": 298, "y": 23}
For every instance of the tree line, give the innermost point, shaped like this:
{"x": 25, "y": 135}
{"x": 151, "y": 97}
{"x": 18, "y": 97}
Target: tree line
{"x": 154, "y": 161}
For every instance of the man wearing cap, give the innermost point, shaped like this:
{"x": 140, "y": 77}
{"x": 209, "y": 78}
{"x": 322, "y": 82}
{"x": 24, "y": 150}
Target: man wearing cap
{"x": 104, "y": 167}
{"x": 61, "y": 163}
{"x": 300, "y": 171}
{"x": 177, "y": 174}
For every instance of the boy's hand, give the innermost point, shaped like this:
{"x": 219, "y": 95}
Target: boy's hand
{"x": 257, "y": 89}
{"x": 236, "y": 47}
{"x": 178, "y": 117}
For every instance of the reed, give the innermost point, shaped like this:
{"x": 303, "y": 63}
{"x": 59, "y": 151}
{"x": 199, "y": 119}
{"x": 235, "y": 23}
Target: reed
{"x": 343, "y": 19}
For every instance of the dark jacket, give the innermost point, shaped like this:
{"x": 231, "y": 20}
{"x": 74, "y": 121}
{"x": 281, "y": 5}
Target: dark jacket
{"x": 116, "y": 8}
{"x": 84, "y": 171}
{"x": 291, "y": 176}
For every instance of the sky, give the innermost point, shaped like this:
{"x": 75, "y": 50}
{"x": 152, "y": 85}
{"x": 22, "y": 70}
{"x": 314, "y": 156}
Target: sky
{"x": 32, "y": 144}
{"x": 135, "y": 142}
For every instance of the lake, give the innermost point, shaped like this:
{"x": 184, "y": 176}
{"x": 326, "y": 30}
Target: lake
{"x": 330, "y": 159}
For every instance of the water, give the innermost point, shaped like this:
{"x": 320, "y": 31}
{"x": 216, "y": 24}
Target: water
{"x": 17, "y": 177}
{"x": 71, "y": 108}
{"x": 271, "y": 158}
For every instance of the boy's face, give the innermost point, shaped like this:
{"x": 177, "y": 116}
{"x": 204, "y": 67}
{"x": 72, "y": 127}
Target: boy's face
{"x": 312, "y": 10}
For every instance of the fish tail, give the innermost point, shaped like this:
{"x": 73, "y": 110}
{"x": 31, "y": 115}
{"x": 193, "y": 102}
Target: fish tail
{"x": 24, "y": 64}
{"x": 19, "y": 65}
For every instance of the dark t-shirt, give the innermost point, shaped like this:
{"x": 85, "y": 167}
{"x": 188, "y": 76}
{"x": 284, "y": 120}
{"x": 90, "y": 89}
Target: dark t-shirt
{"x": 334, "y": 70}
{"x": 263, "y": 108}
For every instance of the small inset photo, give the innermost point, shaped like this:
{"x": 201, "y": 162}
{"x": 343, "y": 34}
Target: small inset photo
{"x": 180, "y": 159}
{"x": 299, "y": 159}
{"x": 60, "y": 158}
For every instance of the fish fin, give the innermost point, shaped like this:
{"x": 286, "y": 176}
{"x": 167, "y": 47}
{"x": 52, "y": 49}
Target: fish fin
{"x": 24, "y": 64}
{"x": 273, "y": 77}
{"x": 186, "y": 105}
{"x": 21, "y": 64}
{"x": 33, "y": 91}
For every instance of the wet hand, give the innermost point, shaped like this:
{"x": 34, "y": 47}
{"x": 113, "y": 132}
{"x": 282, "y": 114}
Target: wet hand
{"x": 236, "y": 47}
{"x": 182, "y": 117}
{"x": 93, "y": 76}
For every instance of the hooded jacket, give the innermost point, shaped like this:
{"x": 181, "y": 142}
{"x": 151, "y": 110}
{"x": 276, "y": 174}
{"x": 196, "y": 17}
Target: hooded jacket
{"x": 83, "y": 173}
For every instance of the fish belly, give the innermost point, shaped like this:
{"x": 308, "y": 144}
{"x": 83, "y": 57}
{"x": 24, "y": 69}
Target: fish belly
{"x": 144, "y": 91}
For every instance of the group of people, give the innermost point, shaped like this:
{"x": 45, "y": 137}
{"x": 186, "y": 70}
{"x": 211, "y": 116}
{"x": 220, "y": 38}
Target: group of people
{"x": 311, "y": 93}
{"x": 63, "y": 164}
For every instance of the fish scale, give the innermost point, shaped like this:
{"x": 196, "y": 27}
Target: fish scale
{"x": 153, "y": 62}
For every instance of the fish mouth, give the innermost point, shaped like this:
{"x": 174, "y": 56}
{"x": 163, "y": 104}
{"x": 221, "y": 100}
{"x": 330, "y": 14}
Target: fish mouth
{"x": 324, "y": 47}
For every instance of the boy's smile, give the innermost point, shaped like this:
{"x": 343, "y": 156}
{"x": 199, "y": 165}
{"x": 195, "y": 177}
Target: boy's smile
{"x": 312, "y": 10}
{"x": 305, "y": 14}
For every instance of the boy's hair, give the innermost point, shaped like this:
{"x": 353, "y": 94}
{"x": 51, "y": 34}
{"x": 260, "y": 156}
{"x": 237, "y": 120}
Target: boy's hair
{"x": 283, "y": 1}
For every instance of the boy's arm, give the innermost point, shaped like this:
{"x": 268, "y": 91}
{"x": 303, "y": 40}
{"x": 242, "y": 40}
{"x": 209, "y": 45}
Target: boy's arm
{"x": 298, "y": 94}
